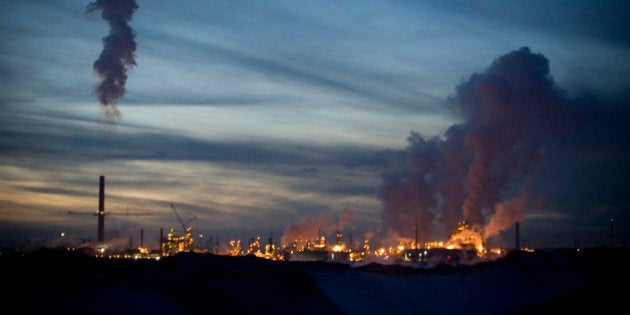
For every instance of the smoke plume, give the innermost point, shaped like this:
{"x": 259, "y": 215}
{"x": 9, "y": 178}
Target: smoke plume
{"x": 309, "y": 229}
{"x": 345, "y": 218}
{"x": 479, "y": 170}
{"x": 118, "y": 54}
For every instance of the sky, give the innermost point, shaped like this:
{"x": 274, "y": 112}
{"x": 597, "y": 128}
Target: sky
{"x": 262, "y": 118}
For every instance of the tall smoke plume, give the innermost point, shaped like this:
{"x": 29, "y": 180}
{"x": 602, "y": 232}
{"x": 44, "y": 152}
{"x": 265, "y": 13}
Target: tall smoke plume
{"x": 118, "y": 54}
{"x": 480, "y": 170}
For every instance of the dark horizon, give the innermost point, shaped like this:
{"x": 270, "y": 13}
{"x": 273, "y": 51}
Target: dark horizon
{"x": 269, "y": 118}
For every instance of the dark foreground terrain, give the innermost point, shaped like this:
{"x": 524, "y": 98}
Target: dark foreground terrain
{"x": 544, "y": 282}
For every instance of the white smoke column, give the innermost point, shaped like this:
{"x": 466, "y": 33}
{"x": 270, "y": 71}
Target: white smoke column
{"x": 408, "y": 194}
{"x": 507, "y": 111}
{"x": 453, "y": 161}
{"x": 506, "y": 213}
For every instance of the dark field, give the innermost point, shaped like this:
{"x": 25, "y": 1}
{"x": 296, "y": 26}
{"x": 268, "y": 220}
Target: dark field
{"x": 51, "y": 281}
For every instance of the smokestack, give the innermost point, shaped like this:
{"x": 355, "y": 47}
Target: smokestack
{"x": 141, "y": 237}
{"x": 101, "y": 210}
{"x": 518, "y": 237}
{"x": 611, "y": 232}
{"x": 576, "y": 242}
{"x": 350, "y": 240}
{"x": 416, "y": 243}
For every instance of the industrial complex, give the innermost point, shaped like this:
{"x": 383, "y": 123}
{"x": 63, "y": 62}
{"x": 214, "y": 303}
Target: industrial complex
{"x": 464, "y": 245}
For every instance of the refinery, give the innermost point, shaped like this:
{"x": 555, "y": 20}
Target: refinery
{"x": 464, "y": 245}
{"x": 317, "y": 275}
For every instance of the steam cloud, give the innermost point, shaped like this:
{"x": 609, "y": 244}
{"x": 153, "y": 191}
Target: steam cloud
{"x": 481, "y": 169}
{"x": 117, "y": 56}
{"x": 308, "y": 228}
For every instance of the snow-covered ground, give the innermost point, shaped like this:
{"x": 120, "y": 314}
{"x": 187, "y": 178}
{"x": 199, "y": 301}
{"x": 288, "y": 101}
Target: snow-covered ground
{"x": 520, "y": 283}
{"x": 496, "y": 287}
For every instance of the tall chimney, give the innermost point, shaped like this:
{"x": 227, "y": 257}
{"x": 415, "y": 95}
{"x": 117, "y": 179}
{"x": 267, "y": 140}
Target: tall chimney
{"x": 350, "y": 241}
{"x": 101, "y": 210}
{"x": 612, "y": 244}
{"x": 141, "y": 237}
{"x": 416, "y": 240}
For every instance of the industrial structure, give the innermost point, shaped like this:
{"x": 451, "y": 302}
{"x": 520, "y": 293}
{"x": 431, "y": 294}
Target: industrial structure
{"x": 464, "y": 243}
{"x": 318, "y": 250}
{"x": 174, "y": 242}
{"x": 100, "y": 233}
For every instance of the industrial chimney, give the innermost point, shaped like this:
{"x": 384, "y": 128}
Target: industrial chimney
{"x": 101, "y": 210}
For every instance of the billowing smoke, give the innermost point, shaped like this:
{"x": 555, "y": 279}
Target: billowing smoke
{"x": 118, "y": 54}
{"x": 509, "y": 111}
{"x": 345, "y": 218}
{"x": 481, "y": 168}
{"x": 309, "y": 229}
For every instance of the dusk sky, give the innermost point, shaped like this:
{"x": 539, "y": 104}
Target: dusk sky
{"x": 258, "y": 117}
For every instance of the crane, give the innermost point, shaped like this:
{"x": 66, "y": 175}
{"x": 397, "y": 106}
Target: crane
{"x": 101, "y": 211}
{"x": 175, "y": 243}
{"x": 184, "y": 224}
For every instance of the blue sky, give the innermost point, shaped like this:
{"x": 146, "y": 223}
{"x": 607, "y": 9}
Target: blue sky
{"x": 253, "y": 115}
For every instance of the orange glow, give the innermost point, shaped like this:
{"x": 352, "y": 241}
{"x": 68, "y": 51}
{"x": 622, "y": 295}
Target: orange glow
{"x": 338, "y": 248}
{"x": 463, "y": 237}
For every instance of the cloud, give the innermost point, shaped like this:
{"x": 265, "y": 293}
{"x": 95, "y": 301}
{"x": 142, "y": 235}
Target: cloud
{"x": 74, "y": 137}
{"x": 592, "y": 20}
{"x": 305, "y": 71}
